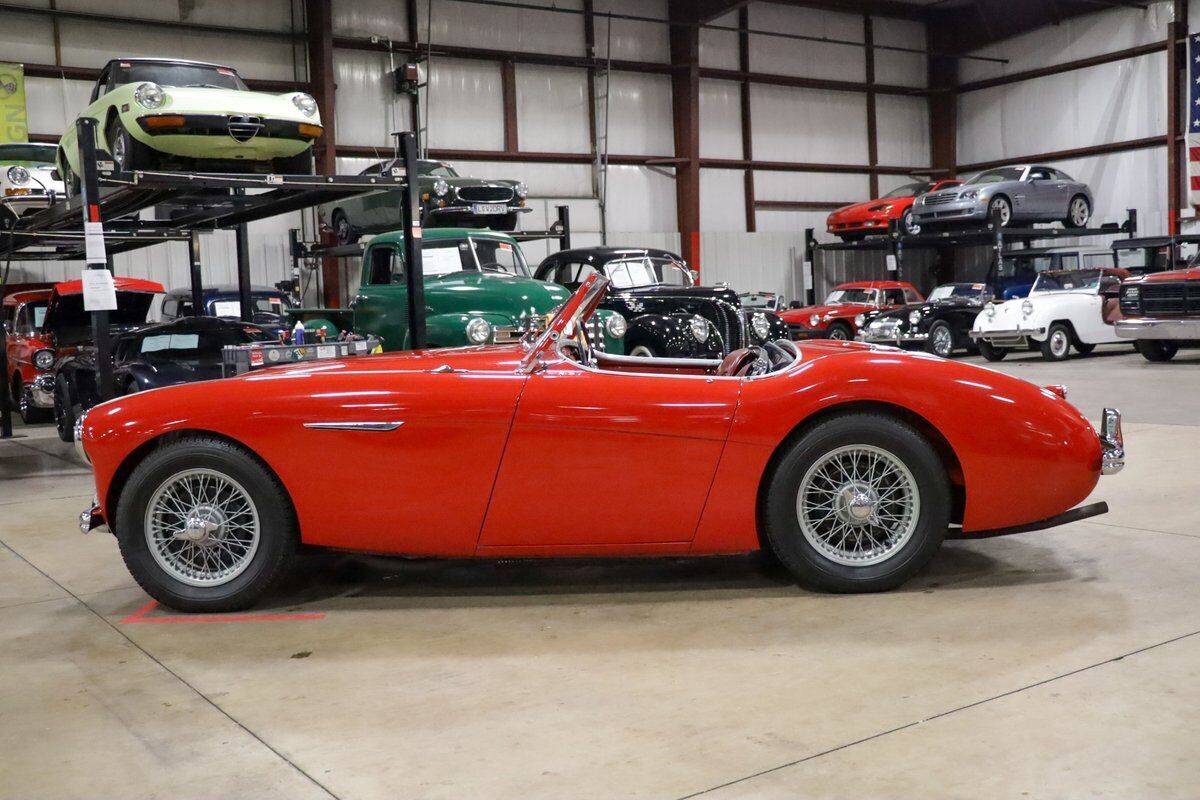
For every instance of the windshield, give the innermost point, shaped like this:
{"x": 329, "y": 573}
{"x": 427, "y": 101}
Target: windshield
{"x": 166, "y": 74}
{"x": 997, "y": 176}
{"x": 41, "y": 155}
{"x": 260, "y": 302}
{"x": 474, "y": 254}
{"x": 1066, "y": 281}
{"x": 976, "y": 292}
{"x": 632, "y": 273}
{"x": 858, "y": 296}
{"x": 437, "y": 169}
{"x": 197, "y": 349}
{"x": 758, "y": 300}
{"x": 908, "y": 190}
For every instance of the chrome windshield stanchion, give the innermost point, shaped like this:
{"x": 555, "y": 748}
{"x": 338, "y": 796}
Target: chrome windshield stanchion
{"x": 1112, "y": 442}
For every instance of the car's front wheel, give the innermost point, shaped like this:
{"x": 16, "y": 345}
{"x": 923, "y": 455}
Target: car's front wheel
{"x": 1000, "y": 210}
{"x": 910, "y": 226}
{"x": 860, "y": 503}
{"x": 64, "y": 412}
{"x": 990, "y": 351}
{"x": 1156, "y": 350}
{"x": 1057, "y": 345}
{"x": 1078, "y": 213}
{"x": 840, "y": 332}
{"x": 128, "y": 154}
{"x": 941, "y": 340}
{"x": 642, "y": 351}
{"x": 30, "y": 414}
{"x": 204, "y": 526}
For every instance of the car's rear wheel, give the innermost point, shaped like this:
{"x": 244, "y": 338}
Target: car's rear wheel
{"x": 1156, "y": 350}
{"x": 204, "y": 526}
{"x": 991, "y": 352}
{"x": 860, "y": 503}
{"x": 941, "y": 340}
{"x": 1057, "y": 346}
{"x": 840, "y": 332}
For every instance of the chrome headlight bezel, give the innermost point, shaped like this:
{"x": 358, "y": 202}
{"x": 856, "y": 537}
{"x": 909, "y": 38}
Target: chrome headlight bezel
{"x": 43, "y": 363}
{"x": 440, "y": 187}
{"x": 18, "y": 175}
{"x": 860, "y": 320}
{"x": 615, "y": 325}
{"x": 521, "y": 190}
{"x": 479, "y": 330}
{"x": 306, "y": 103}
{"x": 1026, "y": 308}
{"x": 698, "y": 327}
{"x": 814, "y": 320}
{"x": 760, "y": 326}
{"x": 989, "y": 310}
{"x": 150, "y": 95}
{"x": 914, "y": 317}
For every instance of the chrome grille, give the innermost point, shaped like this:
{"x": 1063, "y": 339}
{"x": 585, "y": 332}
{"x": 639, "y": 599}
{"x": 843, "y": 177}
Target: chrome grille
{"x": 1171, "y": 298}
{"x": 243, "y": 129}
{"x": 939, "y": 199}
{"x": 486, "y": 194}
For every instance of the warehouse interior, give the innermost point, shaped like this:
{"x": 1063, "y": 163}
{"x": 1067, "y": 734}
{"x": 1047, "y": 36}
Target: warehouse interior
{"x": 1054, "y": 663}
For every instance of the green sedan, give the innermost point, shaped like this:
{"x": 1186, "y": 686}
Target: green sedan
{"x": 154, "y": 113}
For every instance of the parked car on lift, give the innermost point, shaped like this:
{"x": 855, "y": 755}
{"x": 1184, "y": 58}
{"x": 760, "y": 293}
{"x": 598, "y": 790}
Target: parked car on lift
{"x": 836, "y": 317}
{"x": 1017, "y": 270}
{"x": 181, "y": 351}
{"x": 1161, "y": 311}
{"x": 1065, "y": 309}
{"x": 66, "y": 327}
{"x": 1026, "y": 193}
{"x": 30, "y": 352}
{"x": 478, "y": 290}
{"x": 857, "y": 220}
{"x": 270, "y": 305}
{"x": 656, "y": 294}
{"x": 168, "y": 113}
{"x": 447, "y": 199}
{"x": 28, "y": 181}
{"x": 940, "y": 325}
{"x": 823, "y": 455}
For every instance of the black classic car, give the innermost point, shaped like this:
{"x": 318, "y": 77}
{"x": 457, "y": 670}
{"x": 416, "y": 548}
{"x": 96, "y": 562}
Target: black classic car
{"x": 667, "y": 314}
{"x": 447, "y": 200}
{"x": 939, "y": 325}
{"x": 182, "y": 351}
{"x": 269, "y": 305}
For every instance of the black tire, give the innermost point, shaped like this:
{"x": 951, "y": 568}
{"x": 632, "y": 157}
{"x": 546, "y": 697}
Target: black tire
{"x": 31, "y": 414}
{"x": 840, "y": 332}
{"x": 785, "y": 534}
{"x": 1069, "y": 221}
{"x": 278, "y": 535}
{"x": 299, "y": 164}
{"x": 1083, "y": 348}
{"x": 1000, "y": 205}
{"x": 343, "y": 231}
{"x": 642, "y": 351}
{"x": 907, "y": 226}
{"x": 1156, "y": 350}
{"x": 991, "y": 352}
{"x": 936, "y": 343}
{"x": 128, "y": 154}
{"x": 852, "y": 237}
{"x": 64, "y": 413}
{"x": 508, "y": 222}
{"x": 1057, "y": 346}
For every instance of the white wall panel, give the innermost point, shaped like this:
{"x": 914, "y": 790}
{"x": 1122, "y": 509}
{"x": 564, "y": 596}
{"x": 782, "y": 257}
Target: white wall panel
{"x": 720, "y": 119}
{"x": 632, "y": 40}
{"x": 795, "y": 222}
{"x": 640, "y": 120}
{"x": 808, "y": 125}
{"x": 1134, "y": 179}
{"x": 265, "y": 14}
{"x": 719, "y": 49}
{"x": 506, "y": 28}
{"x": 722, "y": 200}
{"x": 903, "y": 124}
{"x": 52, "y": 103}
{"x": 552, "y": 109}
{"x": 1106, "y": 103}
{"x": 754, "y": 262}
{"x": 465, "y": 105}
{"x": 543, "y": 180}
{"x": 640, "y": 199}
{"x": 366, "y": 18}
{"x": 895, "y": 66}
{"x": 26, "y": 39}
{"x": 816, "y": 186}
{"x": 809, "y": 59}
{"x": 1072, "y": 39}
{"x": 367, "y": 108}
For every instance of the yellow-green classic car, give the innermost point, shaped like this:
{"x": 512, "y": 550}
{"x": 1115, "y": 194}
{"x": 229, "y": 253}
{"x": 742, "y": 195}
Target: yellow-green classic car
{"x": 157, "y": 113}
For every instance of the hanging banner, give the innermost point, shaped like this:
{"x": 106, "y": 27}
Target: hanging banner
{"x": 13, "y": 124}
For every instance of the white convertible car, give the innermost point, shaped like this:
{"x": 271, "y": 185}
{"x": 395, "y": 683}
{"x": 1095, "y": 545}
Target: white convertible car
{"x": 1065, "y": 308}
{"x": 27, "y": 179}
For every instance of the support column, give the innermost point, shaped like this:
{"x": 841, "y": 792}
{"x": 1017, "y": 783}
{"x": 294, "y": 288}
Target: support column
{"x": 1176, "y": 167}
{"x": 872, "y": 126}
{"x": 685, "y": 102}
{"x": 943, "y": 103}
{"x": 747, "y": 130}
{"x": 508, "y": 83}
{"x": 318, "y": 15}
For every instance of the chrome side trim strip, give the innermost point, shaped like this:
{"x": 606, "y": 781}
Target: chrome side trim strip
{"x": 382, "y": 427}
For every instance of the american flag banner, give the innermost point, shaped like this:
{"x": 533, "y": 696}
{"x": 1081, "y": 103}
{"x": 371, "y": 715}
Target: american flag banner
{"x": 1193, "y": 129}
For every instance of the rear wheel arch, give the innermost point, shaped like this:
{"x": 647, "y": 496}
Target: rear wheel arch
{"x": 924, "y": 427}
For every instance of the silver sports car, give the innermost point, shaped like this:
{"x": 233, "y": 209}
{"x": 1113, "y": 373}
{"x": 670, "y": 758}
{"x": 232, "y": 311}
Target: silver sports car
{"x": 1025, "y": 193}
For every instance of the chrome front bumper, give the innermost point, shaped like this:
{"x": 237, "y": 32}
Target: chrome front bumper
{"x": 950, "y": 212}
{"x": 1151, "y": 328}
{"x": 41, "y": 391}
{"x": 896, "y": 338}
{"x": 92, "y": 519}
{"x": 1112, "y": 442}
{"x": 1008, "y": 338}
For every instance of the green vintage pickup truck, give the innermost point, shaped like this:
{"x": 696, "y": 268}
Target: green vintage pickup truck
{"x": 478, "y": 290}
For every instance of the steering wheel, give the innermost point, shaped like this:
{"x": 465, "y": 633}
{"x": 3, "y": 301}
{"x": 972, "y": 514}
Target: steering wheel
{"x": 761, "y": 365}
{"x": 582, "y": 351}
{"x": 780, "y": 357}
{"x": 491, "y": 266}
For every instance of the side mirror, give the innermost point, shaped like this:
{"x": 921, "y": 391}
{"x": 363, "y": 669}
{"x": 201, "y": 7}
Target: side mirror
{"x": 695, "y": 273}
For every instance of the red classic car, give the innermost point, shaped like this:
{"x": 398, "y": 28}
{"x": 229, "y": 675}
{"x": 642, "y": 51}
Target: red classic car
{"x": 30, "y": 353}
{"x": 837, "y": 317}
{"x": 1161, "y": 312}
{"x": 852, "y": 483}
{"x": 856, "y": 221}
{"x": 51, "y": 323}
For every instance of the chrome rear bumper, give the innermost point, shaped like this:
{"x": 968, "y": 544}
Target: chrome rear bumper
{"x": 1112, "y": 442}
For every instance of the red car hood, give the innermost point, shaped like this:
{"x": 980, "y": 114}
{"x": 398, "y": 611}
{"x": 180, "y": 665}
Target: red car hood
{"x": 857, "y": 210}
{"x": 1192, "y": 274}
{"x": 843, "y": 310}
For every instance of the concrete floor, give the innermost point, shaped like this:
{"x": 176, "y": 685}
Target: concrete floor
{"x": 1057, "y": 664}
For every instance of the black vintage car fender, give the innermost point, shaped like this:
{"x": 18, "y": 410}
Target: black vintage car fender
{"x": 668, "y": 336}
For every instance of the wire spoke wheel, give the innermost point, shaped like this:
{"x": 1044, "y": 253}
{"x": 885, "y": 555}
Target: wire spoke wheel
{"x": 858, "y": 505}
{"x": 943, "y": 341}
{"x": 202, "y": 527}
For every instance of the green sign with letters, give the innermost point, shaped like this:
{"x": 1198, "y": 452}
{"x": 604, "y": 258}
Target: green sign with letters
{"x": 13, "y": 125}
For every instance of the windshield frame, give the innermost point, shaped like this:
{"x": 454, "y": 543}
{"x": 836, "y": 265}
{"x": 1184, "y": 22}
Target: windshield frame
{"x": 979, "y": 293}
{"x": 873, "y": 301}
{"x": 121, "y": 75}
{"x": 1056, "y": 274}
{"x": 654, "y": 261}
{"x": 974, "y": 180}
{"x": 572, "y": 316}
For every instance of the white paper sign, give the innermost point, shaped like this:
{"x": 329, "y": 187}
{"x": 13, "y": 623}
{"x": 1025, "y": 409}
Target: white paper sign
{"x": 93, "y": 242}
{"x": 440, "y": 260}
{"x": 99, "y": 293}
{"x": 227, "y": 308}
{"x": 891, "y": 263}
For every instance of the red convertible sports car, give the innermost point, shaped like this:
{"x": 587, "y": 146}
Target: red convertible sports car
{"x": 838, "y": 317}
{"x": 822, "y": 453}
{"x": 856, "y": 221}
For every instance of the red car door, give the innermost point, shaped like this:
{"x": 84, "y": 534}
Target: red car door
{"x": 608, "y": 458}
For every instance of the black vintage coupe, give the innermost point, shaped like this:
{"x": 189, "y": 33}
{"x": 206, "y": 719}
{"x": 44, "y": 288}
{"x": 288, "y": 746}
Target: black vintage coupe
{"x": 668, "y": 315}
{"x": 939, "y": 325}
{"x": 181, "y": 351}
